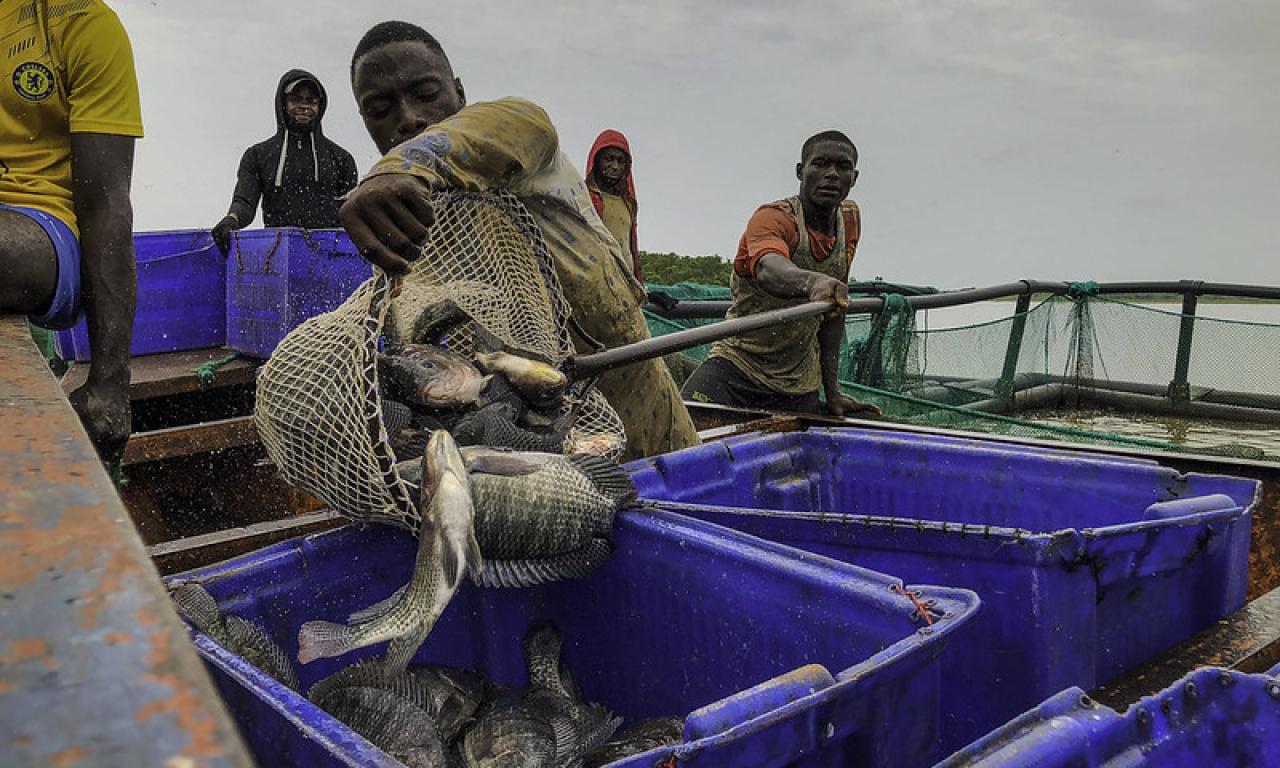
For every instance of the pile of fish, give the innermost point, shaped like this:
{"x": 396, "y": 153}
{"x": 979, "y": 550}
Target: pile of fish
{"x": 439, "y": 716}
{"x": 498, "y": 399}
{"x": 430, "y": 715}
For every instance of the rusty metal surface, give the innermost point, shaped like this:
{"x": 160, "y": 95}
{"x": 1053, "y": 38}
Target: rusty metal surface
{"x": 95, "y": 667}
{"x": 1246, "y": 641}
{"x": 197, "y": 551}
{"x": 189, "y": 440}
{"x": 170, "y": 373}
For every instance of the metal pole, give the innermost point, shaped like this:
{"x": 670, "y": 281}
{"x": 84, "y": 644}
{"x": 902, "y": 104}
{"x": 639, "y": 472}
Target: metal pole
{"x": 1004, "y": 387}
{"x": 584, "y": 366}
{"x": 1180, "y": 387}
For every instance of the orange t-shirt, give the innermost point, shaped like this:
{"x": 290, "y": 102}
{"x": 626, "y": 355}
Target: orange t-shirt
{"x": 772, "y": 229}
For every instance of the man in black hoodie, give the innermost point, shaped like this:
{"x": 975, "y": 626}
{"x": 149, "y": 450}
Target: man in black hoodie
{"x": 298, "y": 173}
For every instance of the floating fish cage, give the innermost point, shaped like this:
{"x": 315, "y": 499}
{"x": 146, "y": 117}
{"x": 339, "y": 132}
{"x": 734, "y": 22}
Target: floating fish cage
{"x": 772, "y": 656}
{"x": 1159, "y": 354}
{"x": 1086, "y": 565}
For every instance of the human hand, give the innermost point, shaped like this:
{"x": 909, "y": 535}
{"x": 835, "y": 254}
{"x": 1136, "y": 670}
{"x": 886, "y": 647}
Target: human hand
{"x": 824, "y": 288}
{"x": 387, "y": 218}
{"x": 222, "y": 232}
{"x": 106, "y": 414}
{"x": 840, "y": 405}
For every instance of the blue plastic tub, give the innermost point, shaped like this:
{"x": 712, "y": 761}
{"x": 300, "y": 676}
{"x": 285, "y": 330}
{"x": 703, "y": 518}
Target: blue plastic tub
{"x": 181, "y": 296}
{"x": 1212, "y": 718}
{"x": 277, "y": 278}
{"x": 1086, "y": 565}
{"x": 775, "y": 657}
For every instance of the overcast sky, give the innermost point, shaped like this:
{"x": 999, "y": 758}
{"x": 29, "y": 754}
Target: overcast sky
{"x": 999, "y": 140}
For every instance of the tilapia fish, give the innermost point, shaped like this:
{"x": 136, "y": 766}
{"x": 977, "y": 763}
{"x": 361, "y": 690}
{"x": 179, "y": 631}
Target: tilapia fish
{"x": 495, "y": 426}
{"x": 531, "y": 505}
{"x": 538, "y": 382}
{"x": 451, "y": 696}
{"x": 541, "y": 725}
{"x": 390, "y": 722}
{"x": 429, "y": 377}
{"x": 636, "y": 738}
{"x": 447, "y": 547}
{"x": 243, "y": 638}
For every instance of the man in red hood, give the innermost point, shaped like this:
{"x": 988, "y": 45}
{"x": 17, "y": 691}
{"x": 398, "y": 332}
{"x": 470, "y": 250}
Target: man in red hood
{"x": 613, "y": 192}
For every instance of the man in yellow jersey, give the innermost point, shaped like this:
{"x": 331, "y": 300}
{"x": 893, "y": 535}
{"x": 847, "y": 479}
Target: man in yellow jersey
{"x": 69, "y": 115}
{"x": 794, "y": 250}
{"x": 416, "y": 113}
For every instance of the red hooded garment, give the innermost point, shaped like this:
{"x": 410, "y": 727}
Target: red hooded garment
{"x": 611, "y": 138}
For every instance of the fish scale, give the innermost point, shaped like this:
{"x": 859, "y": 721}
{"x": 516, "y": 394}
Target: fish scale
{"x": 555, "y": 510}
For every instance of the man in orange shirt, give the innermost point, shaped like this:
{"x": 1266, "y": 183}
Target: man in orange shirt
{"x": 793, "y": 251}
{"x": 69, "y": 115}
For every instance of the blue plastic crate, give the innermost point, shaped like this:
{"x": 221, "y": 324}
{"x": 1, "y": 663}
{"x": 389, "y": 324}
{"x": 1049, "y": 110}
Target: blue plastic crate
{"x": 277, "y": 278}
{"x": 774, "y": 656}
{"x": 1209, "y": 719}
{"x": 1086, "y": 565}
{"x": 181, "y": 296}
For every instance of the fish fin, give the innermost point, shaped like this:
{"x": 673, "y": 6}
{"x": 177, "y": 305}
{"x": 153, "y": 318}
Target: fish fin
{"x": 450, "y": 564}
{"x": 600, "y": 734}
{"x": 378, "y": 609}
{"x": 607, "y": 476}
{"x": 195, "y": 604}
{"x": 323, "y": 640}
{"x": 400, "y": 652}
{"x": 489, "y": 461}
{"x": 577, "y": 564}
{"x": 257, "y": 647}
{"x": 475, "y": 561}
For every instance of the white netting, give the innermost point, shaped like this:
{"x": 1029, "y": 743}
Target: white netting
{"x": 318, "y": 408}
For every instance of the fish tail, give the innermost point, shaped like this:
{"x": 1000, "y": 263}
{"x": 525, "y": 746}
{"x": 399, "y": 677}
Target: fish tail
{"x": 323, "y": 640}
{"x": 195, "y": 603}
{"x": 542, "y": 656}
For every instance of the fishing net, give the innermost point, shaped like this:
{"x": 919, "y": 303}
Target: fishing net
{"x": 1082, "y": 367}
{"x": 319, "y": 411}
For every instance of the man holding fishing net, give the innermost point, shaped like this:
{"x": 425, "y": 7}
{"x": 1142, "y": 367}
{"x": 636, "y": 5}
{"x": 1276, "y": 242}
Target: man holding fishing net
{"x": 794, "y": 250}
{"x": 416, "y": 112}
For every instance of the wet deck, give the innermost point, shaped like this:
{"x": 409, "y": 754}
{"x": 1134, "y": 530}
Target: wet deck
{"x": 95, "y": 667}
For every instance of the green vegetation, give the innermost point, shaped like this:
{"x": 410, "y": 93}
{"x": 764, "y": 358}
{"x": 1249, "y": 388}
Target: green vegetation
{"x": 672, "y": 268}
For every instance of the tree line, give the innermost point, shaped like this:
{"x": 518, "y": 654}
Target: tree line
{"x": 671, "y": 268}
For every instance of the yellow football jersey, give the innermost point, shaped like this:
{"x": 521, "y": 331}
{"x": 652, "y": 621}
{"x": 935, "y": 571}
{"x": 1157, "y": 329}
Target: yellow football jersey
{"x": 67, "y": 67}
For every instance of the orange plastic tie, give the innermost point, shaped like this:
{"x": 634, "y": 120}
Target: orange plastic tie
{"x": 920, "y": 607}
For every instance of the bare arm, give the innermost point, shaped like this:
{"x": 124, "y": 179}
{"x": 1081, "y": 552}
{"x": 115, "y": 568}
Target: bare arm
{"x": 777, "y": 275}
{"x": 486, "y": 145}
{"x": 102, "y": 168}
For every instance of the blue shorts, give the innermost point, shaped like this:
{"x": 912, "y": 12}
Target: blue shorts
{"x": 65, "y": 310}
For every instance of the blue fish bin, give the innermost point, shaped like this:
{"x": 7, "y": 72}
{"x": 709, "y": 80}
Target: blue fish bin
{"x": 773, "y": 656}
{"x": 277, "y": 278}
{"x": 1209, "y": 719}
{"x": 1086, "y": 565}
{"x": 181, "y": 297}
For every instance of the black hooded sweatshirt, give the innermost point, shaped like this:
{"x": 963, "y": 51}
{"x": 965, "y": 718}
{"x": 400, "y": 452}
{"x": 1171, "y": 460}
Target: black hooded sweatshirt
{"x": 302, "y": 191}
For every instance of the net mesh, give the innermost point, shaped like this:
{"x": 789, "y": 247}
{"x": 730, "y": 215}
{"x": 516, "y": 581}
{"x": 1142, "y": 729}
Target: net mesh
{"x": 1083, "y": 368}
{"x": 318, "y": 409}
